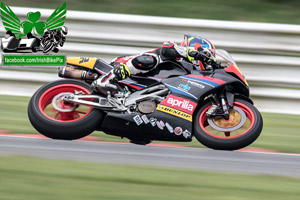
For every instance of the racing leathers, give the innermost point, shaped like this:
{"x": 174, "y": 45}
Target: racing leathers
{"x": 126, "y": 66}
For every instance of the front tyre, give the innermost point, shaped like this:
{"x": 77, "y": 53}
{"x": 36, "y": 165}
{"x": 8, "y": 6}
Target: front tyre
{"x": 56, "y": 119}
{"x": 243, "y": 127}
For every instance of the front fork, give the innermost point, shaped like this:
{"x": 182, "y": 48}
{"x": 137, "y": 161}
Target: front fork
{"x": 222, "y": 101}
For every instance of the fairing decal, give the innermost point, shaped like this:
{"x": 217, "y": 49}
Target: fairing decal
{"x": 180, "y": 91}
{"x": 174, "y": 112}
{"x": 133, "y": 85}
{"x": 177, "y": 106}
{"x": 148, "y": 77}
{"x": 213, "y": 82}
{"x": 82, "y": 61}
{"x": 179, "y": 103}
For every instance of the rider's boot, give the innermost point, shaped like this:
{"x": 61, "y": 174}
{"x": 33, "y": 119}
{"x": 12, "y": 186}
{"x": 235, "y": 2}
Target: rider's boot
{"x": 107, "y": 81}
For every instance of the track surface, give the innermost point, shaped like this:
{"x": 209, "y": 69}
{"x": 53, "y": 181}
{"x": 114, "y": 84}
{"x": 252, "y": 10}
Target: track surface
{"x": 189, "y": 158}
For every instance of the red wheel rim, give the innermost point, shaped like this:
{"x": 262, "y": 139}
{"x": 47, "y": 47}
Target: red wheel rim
{"x": 227, "y": 135}
{"x": 47, "y": 109}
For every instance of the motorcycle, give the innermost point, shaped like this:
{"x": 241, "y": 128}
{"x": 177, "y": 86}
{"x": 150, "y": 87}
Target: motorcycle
{"x": 173, "y": 102}
{"x": 52, "y": 39}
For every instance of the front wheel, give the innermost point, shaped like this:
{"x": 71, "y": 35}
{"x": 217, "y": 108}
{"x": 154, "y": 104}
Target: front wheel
{"x": 240, "y": 130}
{"x": 54, "y": 118}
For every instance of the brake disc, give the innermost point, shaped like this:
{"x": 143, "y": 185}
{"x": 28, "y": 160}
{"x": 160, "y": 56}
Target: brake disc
{"x": 237, "y": 119}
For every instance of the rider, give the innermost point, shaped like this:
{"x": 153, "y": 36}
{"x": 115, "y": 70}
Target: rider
{"x": 194, "y": 49}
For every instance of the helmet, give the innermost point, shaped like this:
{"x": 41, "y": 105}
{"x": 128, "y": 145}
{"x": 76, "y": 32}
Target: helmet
{"x": 64, "y": 30}
{"x": 196, "y": 42}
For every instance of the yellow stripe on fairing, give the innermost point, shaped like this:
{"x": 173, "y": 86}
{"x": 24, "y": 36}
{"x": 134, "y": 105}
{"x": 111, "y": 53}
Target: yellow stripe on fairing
{"x": 174, "y": 112}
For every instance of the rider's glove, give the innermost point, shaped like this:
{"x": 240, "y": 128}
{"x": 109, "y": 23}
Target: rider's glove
{"x": 106, "y": 81}
{"x": 204, "y": 55}
{"x": 208, "y": 55}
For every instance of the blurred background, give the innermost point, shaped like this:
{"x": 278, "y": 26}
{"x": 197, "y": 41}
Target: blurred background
{"x": 263, "y": 36}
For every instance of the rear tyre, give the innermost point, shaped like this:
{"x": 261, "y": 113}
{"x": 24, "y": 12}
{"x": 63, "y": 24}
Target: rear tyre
{"x": 54, "y": 118}
{"x": 243, "y": 127}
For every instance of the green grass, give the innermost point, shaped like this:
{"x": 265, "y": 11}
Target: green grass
{"x": 41, "y": 179}
{"x": 281, "y": 132}
{"x": 279, "y": 11}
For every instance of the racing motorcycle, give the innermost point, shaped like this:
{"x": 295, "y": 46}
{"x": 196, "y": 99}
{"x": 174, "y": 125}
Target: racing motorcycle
{"x": 173, "y": 102}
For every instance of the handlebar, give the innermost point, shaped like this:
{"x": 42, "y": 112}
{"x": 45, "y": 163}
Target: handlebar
{"x": 211, "y": 62}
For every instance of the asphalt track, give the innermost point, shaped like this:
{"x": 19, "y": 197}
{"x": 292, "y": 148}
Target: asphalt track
{"x": 189, "y": 158}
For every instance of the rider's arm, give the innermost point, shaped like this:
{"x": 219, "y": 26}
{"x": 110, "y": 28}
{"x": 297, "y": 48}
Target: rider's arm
{"x": 172, "y": 51}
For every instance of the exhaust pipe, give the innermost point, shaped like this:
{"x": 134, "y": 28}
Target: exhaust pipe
{"x": 75, "y": 73}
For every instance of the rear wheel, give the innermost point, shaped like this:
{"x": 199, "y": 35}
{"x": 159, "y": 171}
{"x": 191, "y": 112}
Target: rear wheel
{"x": 54, "y": 118}
{"x": 240, "y": 130}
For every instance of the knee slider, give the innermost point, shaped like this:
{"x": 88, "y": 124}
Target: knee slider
{"x": 144, "y": 62}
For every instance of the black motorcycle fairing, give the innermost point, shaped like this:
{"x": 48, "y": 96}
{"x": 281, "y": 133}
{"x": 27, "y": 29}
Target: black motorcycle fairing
{"x": 155, "y": 126}
{"x": 198, "y": 85}
{"x": 162, "y": 71}
{"x": 239, "y": 85}
{"x": 140, "y": 82}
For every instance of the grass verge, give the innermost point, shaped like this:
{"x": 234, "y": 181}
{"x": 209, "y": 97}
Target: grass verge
{"x": 41, "y": 179}
{"x": 280, "y": 132}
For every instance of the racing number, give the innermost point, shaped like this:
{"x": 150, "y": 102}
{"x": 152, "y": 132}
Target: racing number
{"x": 83, "y": 59}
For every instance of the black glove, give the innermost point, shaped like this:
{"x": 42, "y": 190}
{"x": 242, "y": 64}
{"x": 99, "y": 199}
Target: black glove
{"x": 204, "y": 55}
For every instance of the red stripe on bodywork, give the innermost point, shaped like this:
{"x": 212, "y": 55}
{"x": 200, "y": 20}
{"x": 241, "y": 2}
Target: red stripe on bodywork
{"x": 134, "y": 86}
{"x": 215, "y": 80}
{"x": 232, "y": 69}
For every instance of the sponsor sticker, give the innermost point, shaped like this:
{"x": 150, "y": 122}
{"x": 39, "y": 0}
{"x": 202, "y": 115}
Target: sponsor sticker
{"x": 169, "y": 127}
{"x": 159, "y": 125}
{"x": 187, "y": 134}
{"x": 184, "y": 86}
{"x": 180, "y": 104}
{"x": 145, "y": 119}
{"x": 178, "y": 131}
{"x": 198, "y": 85}
{"x": 138, "y": 120}
{"x": 162, "y": 123}
{"x": 174, "y": 112}
{"x": 153, "y": 121}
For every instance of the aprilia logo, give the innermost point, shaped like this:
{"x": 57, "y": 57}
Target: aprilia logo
{"x": 179, "y": 103}
{"x": 183, "y": 104}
